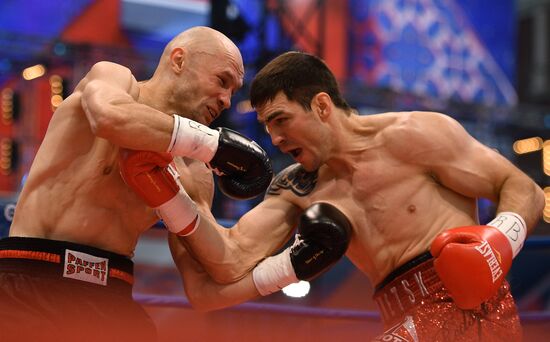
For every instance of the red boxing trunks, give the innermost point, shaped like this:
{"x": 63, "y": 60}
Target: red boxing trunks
{"x": 56, "y": 290}
{"x": 416, "y": 307}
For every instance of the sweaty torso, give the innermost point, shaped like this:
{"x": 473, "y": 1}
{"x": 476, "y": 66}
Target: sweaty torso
{"x": 395, "y": 207}
{"x": 74, "y": 191}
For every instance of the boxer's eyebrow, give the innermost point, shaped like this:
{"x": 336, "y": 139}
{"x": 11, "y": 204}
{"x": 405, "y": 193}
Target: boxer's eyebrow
{"x": 237, "y": 83}
{"x": 271, "y": 116}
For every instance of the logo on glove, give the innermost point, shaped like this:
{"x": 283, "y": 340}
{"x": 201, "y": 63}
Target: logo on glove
{"x": 491, "y": 258}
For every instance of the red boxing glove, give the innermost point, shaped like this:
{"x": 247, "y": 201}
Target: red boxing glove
{"x": 150, "y": 175}
{"x": 473, "y": 261}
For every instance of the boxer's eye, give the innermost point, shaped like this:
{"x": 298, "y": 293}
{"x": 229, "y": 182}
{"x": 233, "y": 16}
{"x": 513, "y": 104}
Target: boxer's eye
{"x": 295, "y": 152}
{"x": 279, "y": 121}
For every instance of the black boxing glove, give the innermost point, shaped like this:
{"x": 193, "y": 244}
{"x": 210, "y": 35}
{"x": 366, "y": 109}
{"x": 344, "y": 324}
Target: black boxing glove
{"x": 243, "y": 167}
{"x": 322, "y": 239}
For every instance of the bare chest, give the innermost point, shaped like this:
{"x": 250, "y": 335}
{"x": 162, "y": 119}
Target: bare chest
{"x": 372, "y": 189}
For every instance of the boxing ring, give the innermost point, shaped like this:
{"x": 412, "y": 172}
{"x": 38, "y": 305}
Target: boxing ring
{"x": 275, "y": 322}
{"x": 261, "y": 320}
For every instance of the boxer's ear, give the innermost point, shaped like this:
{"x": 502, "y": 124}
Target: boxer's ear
{"x": 177, "y": 59}
{"x": 321, "y": 104}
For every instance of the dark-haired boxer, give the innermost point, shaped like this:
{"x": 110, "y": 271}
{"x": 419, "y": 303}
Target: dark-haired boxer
{"x": 405, "y": 183}
{"x": 66, "y": 269}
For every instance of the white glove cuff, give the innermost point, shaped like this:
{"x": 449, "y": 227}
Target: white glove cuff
{"x": 513, "y": 226}
{"x": 274, "y": 273}
{"x": 192, "y": 139}
{"x": 180, "y": 214}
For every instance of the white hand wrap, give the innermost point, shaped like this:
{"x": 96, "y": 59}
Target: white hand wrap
{"x": 180, "y": 214}
{"x": 192, "y": 139}
{"x": 274, "y": 273}
{"x": 513, "y": 226}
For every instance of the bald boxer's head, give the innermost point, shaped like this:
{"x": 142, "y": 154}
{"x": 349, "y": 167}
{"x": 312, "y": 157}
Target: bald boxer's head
{"x": 201, "y": 68}
{"x": 204, "y": 40}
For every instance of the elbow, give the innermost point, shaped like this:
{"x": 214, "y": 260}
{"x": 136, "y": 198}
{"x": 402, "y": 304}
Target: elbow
{"x": 103, "y": 117}
{"x": 98, "y": 125}
{"x": 108, "y": 123}
{"x": 536, "y": 206}
{"x": 540, "y": 200}
{"x": 104, "y": 121}
{"x": 104, "y": 124}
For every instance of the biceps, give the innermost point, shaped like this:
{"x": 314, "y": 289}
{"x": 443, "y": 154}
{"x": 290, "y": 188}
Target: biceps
{"x": 477, "y": 171}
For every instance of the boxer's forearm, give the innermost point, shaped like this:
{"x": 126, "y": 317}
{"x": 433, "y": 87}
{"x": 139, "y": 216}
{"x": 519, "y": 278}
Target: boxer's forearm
{"x": 521, "y": 195}
{"x": 114, "y": 115}
{"x": 202, "y": 291}
{"x": 207, "y": 295}
{"x": 229, "y": 254}
{"x": 212, "y": 246}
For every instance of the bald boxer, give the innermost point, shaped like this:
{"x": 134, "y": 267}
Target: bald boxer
{"x": 406, "y": 184}
{"x": 66, "y": 268}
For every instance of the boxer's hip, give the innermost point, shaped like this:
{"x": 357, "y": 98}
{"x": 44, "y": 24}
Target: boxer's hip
{"x": 68, "y": 263}
{"x": 406, "y": 287}
{"x": 414, "y": 297}
{"x": 68, "y": 291}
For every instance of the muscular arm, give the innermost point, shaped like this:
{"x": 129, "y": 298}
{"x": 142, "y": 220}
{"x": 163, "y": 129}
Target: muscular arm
{"x": 109, "y": 94}
{"x": 461, "y": 163}
{"x": 202, "y": 291}
{"x": 228, "y": 254}
{"x": 323, "y": 235}
{"x": 215, "y": 263}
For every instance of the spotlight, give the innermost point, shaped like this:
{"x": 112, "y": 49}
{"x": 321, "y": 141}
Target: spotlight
{"x": 546, "y": 211}
{"x": 546, "y": 157}
{"x": 56, "y": 89}
{"x": 527, "y": 145}
{"x": 8, "y": 156}
{"x": 297, "y": 290}
{"x": 33, "y": 72}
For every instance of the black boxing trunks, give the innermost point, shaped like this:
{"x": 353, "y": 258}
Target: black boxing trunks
{"x": 416, "y": 307}
{"x": 56, "y": 290}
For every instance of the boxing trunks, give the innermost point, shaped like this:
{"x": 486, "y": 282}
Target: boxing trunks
{"x": 416, "y": 307}
{"x": 61, "y": 291}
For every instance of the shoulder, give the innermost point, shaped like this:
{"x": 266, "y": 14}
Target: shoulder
{"x": 418, "y": 122}
{"x": 293, "y": 179}
{"x": 105, "y": 68}
{"x": 109, "y": 74}
{"x": 424, "y": 128}
{"x": 415, "y": 134}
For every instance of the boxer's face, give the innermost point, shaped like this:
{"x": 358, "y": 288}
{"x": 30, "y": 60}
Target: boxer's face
{"x": 209, "y": 83}
{"x": 294, "y": 130}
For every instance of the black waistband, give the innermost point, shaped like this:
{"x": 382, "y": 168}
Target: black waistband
{"x": 118, "y": 261}
{"x": 404, "y": 268}
{"x": 408, "y": 286}
{"x": 68, "y": 261}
